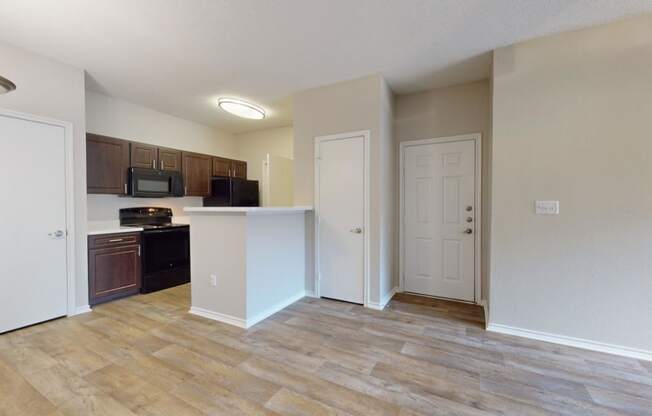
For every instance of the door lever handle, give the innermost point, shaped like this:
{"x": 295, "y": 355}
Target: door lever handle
{"x": 356, "y": 230}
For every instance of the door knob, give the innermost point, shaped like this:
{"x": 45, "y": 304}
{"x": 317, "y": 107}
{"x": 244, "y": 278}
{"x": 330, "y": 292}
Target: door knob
{"x": 356, "y": 230}
{"x": 468, "y": 231}
{"x": 56, "y": 234}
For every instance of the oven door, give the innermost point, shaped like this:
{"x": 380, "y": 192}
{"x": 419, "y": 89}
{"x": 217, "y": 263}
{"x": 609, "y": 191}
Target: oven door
{"x": 152, "y": 183}
{"x": 165, "y": 249}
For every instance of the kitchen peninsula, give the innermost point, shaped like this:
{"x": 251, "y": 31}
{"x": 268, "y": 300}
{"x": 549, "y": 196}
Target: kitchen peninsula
{"x": 247, "y": 263}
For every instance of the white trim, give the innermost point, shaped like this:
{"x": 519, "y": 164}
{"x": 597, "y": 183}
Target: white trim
{"x": 572, "y": 341}
{"x": 246, "y": 323}
{"x": 384, "y": 301}
{"x": 477, "y": 138}
{"x": 220, "y": 317}
{"x": 70, "y": 198}
{"x": 366, "y": 134}
{"x": 274, "y": 308}
{"x": 82, "y": 309}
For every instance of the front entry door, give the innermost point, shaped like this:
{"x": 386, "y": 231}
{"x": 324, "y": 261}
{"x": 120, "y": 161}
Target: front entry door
{"x": 340, "y": 167}
{"x": 33, "y": 239}
{"x": 439, "y": 219}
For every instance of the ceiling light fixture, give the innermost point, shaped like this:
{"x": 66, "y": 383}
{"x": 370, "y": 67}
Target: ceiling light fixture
{"x": 241, "y": 108}
{"x": 6, "y": 85}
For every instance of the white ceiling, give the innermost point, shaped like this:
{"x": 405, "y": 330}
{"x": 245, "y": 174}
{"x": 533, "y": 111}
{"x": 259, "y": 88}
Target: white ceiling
{"x": 177, "y": 56}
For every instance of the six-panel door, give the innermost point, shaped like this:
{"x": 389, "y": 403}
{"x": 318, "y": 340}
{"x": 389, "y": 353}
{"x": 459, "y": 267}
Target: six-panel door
{"x": 439, "y": 219}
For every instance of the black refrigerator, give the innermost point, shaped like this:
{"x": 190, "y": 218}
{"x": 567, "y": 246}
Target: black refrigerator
{"x": 233, "y": 192}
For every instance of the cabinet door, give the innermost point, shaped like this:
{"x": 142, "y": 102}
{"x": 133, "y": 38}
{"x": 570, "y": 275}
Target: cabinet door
{"x": 169, "y": 159}
{"x": 239, "y": 169}
{"x": 113, "y": 272}
{"x": 196, "y": 174}
{"x": 107, "y": 161}
{"x": 221, "y": 166}
{"x": 143, "y": 155}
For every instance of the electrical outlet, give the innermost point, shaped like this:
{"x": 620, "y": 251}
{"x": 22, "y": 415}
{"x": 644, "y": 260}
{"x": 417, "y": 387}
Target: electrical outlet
{"x": 213, "y": 280}
{"x": 546, "y": 207}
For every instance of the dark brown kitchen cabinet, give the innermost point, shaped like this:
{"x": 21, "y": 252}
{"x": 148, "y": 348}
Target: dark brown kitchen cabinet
{"x": 196, "y": 173}
{"x": 107, "y": 160}
{"x": 114, "y": 266}
{"x": 143, "y": 155}
{"x": 229, "y": 167}
{"x": 169, "y": 159}
{"x": 239, "y": 169}
{"x": 221, "y": 166}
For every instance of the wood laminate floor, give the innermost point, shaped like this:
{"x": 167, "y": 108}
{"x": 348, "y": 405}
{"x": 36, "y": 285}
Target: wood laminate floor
{"x": 147, "y": 356}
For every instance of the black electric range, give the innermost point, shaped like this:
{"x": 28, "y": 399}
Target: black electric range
{"x": 165, "y": 247}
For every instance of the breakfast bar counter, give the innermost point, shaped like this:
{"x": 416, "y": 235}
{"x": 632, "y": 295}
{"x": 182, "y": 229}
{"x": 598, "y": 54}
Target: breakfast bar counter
{"x": 246, "y": 263}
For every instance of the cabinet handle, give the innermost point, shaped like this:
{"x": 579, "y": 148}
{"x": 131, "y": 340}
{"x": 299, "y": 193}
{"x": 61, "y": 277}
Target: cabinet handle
{"x": 125, "y": 189}
{"x": 116, "y": 240}
{"x": 185, "y": 190}
{"x": 154, "y": 163}
{"x": 162, "y": 165}
{"x": 138, "y": 251}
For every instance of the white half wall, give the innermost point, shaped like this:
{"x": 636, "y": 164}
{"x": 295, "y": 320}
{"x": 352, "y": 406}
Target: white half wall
{"x": 571, "y": 122}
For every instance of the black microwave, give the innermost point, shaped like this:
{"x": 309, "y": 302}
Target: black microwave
{"x": 154, "y": 183}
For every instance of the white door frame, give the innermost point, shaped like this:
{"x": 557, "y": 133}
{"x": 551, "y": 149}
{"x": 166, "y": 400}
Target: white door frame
{"x": 70, "y": 197}
{"x": 366, "y": 227}
{"x": 477, "y": 138}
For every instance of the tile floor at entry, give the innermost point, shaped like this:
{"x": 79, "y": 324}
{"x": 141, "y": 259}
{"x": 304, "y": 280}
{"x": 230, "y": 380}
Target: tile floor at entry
{"x": 147, "y": 356}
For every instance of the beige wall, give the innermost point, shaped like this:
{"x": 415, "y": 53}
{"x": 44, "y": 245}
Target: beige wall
{"x": 571, "y": 122}
{"x": 254, "y": 146}
{"x": 50, "y": 89}
{"x": 118, "y": 118}
{"x": 339, "y": 108}
{"x": 451, "y": 111}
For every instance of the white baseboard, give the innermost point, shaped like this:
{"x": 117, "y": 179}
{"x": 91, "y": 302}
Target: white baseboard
{"x": 249, "y": 322}
{"x": 384, "y": 301}
{"x": 274, "y": 308}
{"x": 572, "y": 342}
{"x": 220, "y": 317}
{"x": 82, "y": 309}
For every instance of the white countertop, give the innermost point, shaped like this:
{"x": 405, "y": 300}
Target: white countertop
{"x": 246, "y": 210}
{"x": 109, "y": 227}
{"x": 113, "y": 227}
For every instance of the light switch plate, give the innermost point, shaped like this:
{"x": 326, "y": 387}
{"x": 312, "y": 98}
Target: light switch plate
{"x": 546, "y": 207}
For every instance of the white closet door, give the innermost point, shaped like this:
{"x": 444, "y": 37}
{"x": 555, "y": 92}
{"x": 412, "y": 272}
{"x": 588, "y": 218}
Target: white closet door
{"x": 33, "y": 212}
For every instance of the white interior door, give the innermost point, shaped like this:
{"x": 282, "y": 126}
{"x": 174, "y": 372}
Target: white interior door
{"x": 439, "y": 219}
{"x": 340, "y": 218}
{"x": 33, "y": 240}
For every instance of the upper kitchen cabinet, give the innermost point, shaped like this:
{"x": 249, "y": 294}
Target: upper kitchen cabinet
{"x": 196, "y": 173}
{"x": 107, "y": 161}
{"x": 144, "y": 155}
{"x": 169, "y": 159}
{"x": 221, "y": 166}
{"x": 239, "y": 169}
{"x": 229, "y": 167}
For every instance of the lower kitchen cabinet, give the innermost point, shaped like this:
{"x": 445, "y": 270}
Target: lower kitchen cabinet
{"x": 114, "y": 266}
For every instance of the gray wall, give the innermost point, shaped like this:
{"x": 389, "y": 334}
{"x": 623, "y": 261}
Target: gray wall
{"x": 572, "y": 123}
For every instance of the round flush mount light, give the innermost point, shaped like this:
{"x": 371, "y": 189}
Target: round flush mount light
{"x": 241, "y": 108}
{"x": 6, "y": 85}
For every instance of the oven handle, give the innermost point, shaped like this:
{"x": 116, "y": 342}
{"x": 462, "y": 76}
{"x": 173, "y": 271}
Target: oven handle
{"x": 168, "y": 230}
